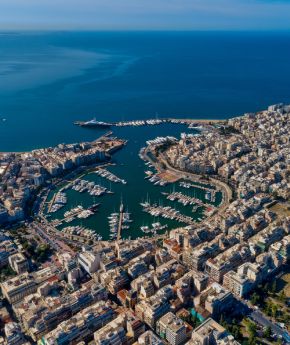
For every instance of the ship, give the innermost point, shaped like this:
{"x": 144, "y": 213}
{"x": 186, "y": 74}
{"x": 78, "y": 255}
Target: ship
{"x": 93, "y": 123}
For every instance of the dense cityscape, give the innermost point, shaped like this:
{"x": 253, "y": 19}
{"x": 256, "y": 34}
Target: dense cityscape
{"x": 220, "y": 279}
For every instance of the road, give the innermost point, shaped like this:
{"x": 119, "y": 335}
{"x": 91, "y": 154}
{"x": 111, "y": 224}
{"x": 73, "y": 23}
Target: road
{"x": 261, "y": 319}
{"x": 227, "y": 192}
{"x": 55, "y": 243}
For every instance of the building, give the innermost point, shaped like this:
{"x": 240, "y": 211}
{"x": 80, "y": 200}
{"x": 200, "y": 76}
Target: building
{"x": 114, "y": 333}
{"x": 16, "y": 288}
{"x": 211, "y": 333}
{"x": 151, "y": 309}
{"x": 238, "y": 284}
{"x": 81, "y": 326}
{"x": 214, "y": 300}
{"x": 248, "y": 275}
{"x": 13, "y": 333}
{"x": 89, "y": 261}
{"x": 7, "y": 248}
{"x": 41, "y": 312}
{"x": 18, "y": 263}
{"x": 149, "y": 338}
{"x": 171, "y": 328}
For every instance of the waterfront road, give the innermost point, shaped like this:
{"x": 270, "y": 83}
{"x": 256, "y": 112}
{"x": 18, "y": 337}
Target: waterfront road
{"x": 227, "y": 192}
{"x": 55, "y": 243}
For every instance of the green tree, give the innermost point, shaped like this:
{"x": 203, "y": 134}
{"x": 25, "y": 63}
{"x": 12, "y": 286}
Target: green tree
{"x": 274, "y": 310}
{"x": 266, "y": 287}
{"x": 268, "y": 332}
{"x": 236, "y": 332}
{"x": 194, "y": 320}
{"x": 282, "y": 296}
{"x": 255, "y": 298}
{"x": 253, "y": 341}
{"x": 268, "y": 308}
{"x": 274, "y": 286}
{"x": 252, "y": 329}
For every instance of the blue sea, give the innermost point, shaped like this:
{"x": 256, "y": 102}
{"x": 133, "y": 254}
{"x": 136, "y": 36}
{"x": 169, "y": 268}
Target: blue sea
{"x": 49, "y": 80}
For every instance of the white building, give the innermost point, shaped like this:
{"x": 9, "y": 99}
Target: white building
{"x": 89, "y": 261}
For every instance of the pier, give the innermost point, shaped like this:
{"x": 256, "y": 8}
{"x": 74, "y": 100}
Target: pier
{"x": 69, "y": 216}
{"x": 121, "y": 215}
{"x": 167, "y": 212}
{"x": 51, "y": 203}
{"x": 109, "y": 176}
{"x": 148, "y": 122}
{"x": 187, "y": 200}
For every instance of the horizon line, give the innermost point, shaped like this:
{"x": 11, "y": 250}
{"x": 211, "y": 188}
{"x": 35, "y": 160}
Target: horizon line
{"x": 163, "y": 30}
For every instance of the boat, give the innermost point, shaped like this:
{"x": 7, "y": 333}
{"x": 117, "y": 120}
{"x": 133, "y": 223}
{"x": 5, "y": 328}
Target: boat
{"x": 93, "y": 123}
{"x": 208, "y": 195}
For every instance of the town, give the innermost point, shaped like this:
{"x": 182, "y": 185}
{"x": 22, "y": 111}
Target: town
{"x": 216, "y": 281}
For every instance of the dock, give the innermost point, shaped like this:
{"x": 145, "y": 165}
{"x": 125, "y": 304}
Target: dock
{"x": 167, "y": 212}
{"x": 73, "y": 215}
{"x": 187, "y": 200}
{"x": 148, "y": 122}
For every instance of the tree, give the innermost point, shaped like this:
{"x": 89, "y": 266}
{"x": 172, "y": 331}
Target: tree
{"x": 223, "y": 322}
{"x": 266, "y": 287}
{"x": 252, "y": 329}
{"x": 194, "y": 320}
{"x": 270, "y": 308}
{"x": 274, "y": 310}
{"x": 282, "y": 296}
{"x": 236, "y": 332}
{"x": 253, "y": 341}
{"x": 274, "y": 286}
{"x": 255, "y": 298}
{"x": 268, "y": 332}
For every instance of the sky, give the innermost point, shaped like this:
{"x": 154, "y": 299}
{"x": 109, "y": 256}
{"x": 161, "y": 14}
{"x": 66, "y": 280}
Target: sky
{"x": 145, "y": 14}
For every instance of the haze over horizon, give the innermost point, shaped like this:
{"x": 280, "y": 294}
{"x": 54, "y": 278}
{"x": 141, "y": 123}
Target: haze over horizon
{"x": 145, "y": 15}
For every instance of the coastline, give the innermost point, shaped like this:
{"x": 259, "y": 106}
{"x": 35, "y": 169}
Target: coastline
{"x": 159, "y": 166}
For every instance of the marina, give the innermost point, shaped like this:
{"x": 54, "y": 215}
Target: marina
{"x": 119, "y": 222}
{"x": 58, "y": 202}
{"x": 78, "y": 212}
{"x": 81, "y": 231}
{"x": 166, "y": 212}
{"x": 155, "y": 227}
{"x": 109, "y": 176}
{"x": 89, "y": 187}
{"x": 185, "y": 199}
{"x": 126, "y": 164}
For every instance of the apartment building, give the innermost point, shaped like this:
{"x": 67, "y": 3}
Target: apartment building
{"x": 171, "y": 328}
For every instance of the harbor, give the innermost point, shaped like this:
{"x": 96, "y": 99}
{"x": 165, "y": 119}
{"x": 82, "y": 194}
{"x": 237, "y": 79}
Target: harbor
{"x": 128, "y": 177}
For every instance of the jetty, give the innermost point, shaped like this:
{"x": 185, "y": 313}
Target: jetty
{"x": 187, "y": 200}
{"x": 77, "y": 212}
{"x": 148, "y": 122}
{"x": 166, "y": 212}
{"x": 109, "y": 176}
